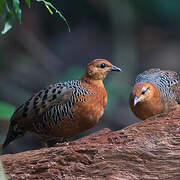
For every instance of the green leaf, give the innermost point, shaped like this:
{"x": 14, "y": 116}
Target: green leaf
{"x": 48, "y": 5}
{"x": 28, "y": 2}
{"x": 6, "y": 110}
{"x": 48, "y": 8}
{"x": 7, "y": 27}
{"x": 8, "y": 19}
{"x": 16, "y": 6}
{"x": 2, "y": 6}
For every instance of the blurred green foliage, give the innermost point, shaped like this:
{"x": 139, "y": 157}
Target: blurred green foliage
{"x": 11, "y": 8}
{"x": 74, "y": 72}
{"x": 159, "y": 10}
{"x": 6, "y": 110}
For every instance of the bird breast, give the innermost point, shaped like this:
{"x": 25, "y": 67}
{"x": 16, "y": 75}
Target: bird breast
{"x": 92, "y": 109}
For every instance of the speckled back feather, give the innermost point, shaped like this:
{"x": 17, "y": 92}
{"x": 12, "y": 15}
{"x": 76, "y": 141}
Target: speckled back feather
{"x": 51, "y": 105}
{"x": 60, "y": 94}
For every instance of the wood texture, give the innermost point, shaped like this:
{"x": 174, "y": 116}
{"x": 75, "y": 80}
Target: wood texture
{"x": 146, "y": 150}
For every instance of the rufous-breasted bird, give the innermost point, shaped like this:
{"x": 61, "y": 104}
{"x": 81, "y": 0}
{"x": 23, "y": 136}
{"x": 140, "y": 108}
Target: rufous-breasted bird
{"x": 155, "y": 91}
{"x": 64, "y": 109}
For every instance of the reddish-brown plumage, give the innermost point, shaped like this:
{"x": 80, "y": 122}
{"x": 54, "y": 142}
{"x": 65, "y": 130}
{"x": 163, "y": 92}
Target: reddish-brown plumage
{"x": 64, "y": 109}
{"x": 155, "y": 92}
{"x": 148, "y": 108}
{"x": 87, "y": 114}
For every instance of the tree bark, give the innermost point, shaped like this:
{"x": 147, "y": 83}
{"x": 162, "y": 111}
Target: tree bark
{"x": 146, "y": 150}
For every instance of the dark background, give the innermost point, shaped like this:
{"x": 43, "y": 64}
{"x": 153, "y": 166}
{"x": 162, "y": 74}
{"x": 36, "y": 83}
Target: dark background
{"x": 134, "y": 35}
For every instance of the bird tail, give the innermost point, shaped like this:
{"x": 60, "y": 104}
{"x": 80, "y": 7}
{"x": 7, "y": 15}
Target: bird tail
{"x": 14, "y": 132}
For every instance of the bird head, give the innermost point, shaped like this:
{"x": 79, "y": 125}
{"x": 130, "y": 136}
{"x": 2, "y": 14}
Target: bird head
{"x": 99, "y": 68}
{"x": 142, "y": 92}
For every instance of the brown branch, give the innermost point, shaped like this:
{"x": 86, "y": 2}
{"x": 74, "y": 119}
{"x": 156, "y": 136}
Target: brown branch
{"x": 145, "y": 150}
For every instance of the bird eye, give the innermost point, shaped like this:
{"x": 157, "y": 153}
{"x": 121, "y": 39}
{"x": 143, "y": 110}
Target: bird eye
{"x": 103, "y": 65}
{"x": 143, "y": 91}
